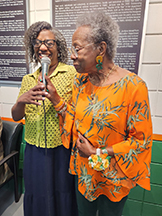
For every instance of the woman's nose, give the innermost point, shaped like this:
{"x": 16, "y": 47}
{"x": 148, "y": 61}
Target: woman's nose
{"x": 73, "y": 56}
{"x": 43, "y": 46}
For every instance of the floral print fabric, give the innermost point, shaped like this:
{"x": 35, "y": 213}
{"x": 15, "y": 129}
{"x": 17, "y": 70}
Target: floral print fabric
{"x": 119, "y": 117}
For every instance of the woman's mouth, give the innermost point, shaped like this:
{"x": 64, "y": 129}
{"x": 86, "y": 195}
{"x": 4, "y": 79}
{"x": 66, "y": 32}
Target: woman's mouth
{"x": 76, "y": 66}
{"x": 43, "y": 55}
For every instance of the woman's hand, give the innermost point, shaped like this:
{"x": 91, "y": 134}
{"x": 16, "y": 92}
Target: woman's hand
{"x": 85, "y": 148}
{"x": 52, "y": 94}
{"x": 33, "y": 96}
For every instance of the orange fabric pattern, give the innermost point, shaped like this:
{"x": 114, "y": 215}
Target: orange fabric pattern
{"x": 120, "y": 117}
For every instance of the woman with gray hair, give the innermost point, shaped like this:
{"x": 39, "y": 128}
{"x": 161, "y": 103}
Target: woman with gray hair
{"x": 49, "y": 187}
{"x": 109, "y": 120}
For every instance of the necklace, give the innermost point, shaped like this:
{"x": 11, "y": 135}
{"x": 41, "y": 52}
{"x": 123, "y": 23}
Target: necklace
{"x": 92, "y": 96}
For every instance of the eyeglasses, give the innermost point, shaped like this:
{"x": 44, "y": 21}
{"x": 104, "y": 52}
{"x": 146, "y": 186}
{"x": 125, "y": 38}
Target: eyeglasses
{"x": 74, "y": 51}
{"x": 48, "y": 43}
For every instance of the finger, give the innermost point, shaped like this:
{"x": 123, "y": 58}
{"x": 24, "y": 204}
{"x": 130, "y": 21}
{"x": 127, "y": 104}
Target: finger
{"x": 81, "y": 137}
{"x": 45, "y": 94}
{"x": 40, "y": 80}
{"x": 79, "y": 143}
{"x": 40, "y": 94}
{"x": 37, "y": 92}
{"x": 48, "y": 81}
{"x": 38, "y": 98}
{"x": 82, "y": 154}
{"x": 32, "y": 101}
{"x": 47, "y": 78}
{"x": 40, "y": 86}
{"x": 38, "y": 103}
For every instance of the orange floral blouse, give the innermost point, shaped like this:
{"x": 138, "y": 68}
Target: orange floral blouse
{"x": 118, "y": 117}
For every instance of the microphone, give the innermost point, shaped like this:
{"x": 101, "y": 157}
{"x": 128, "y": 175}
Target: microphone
{"x": 45, "y": 62}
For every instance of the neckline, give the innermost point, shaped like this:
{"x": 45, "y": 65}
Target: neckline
{"x": 122, "y": 78}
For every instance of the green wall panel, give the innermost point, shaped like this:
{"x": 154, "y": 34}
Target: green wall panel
{"x": 156, "y": 173}
{"x": 157, "y": 152}
{"x": 155, "y": 195}
{"x": 137, "y": 193}
{"x": 132, "y": 208}
{"x": 151, "y": 210}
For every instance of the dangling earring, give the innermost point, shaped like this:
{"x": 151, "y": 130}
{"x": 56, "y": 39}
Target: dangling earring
{"x": 34, "y": 57}
{"x": 99, "y": 63}
{"x": 58, "y": 55}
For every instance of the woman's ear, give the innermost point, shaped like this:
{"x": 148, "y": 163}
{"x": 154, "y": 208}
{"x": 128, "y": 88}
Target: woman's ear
{"x": 102, "y": 48}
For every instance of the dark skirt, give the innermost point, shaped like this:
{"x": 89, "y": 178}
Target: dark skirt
{"x": 49, "y": 188}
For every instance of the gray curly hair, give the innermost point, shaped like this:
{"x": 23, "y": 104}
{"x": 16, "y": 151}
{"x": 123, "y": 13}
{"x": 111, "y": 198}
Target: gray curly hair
{"x": 103, "y": 28}
{"x": 32, "y": 33}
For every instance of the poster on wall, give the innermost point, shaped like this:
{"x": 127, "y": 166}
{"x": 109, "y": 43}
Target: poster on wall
{"x": 128, "y": 13}
{"x": 13, "y": 23}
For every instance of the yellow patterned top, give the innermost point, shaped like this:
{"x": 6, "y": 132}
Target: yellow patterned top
{"x": 62, "y": 78}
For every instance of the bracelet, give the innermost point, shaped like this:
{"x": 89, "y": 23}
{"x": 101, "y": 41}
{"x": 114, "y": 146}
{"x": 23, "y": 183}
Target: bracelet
{"x": 59, "y": 105}
{"x": 98, "y": 151}
{"x": 63, "y": 109}
{"x": 104, "y": 150}
{"x": 99, "y": 162}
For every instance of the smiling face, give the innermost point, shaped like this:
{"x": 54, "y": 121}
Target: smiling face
{"x": 85, "y": 62}
{"x": 43, "y": 50}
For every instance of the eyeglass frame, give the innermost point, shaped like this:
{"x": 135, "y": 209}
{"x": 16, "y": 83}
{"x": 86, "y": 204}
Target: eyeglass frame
{"x": 43, "y": 42}
{"x": 74, "y": 51}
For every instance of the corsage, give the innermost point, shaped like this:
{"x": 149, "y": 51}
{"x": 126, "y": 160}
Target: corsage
{"x": 99, "y": 161}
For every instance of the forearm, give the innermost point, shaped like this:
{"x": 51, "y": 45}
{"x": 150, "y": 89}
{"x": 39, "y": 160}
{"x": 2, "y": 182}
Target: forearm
{"x": 110, "y": 151}
{"x": 18, "y": 111}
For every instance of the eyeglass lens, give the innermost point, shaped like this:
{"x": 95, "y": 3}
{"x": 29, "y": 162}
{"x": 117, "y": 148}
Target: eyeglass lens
{"x": 73, "y": 51}
{"x": 49, "y": 43}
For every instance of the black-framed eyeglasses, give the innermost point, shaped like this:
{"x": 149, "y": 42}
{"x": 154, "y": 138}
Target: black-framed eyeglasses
{"x": 74, "y": 51}
{"x": 48, "y": 43}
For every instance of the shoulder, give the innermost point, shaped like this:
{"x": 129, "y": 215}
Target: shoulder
{"x": 136, "y": 85}
{"x": 67, "y": 68}
{"x": 32, "y": 76}
{"x": 29, "y": 81}
{"x": 134, "y": 80}
{"x": 138, "y": 80}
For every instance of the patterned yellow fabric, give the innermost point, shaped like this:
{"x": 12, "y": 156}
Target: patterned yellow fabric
{"x": 120, "y": 117}
{"x": 62, "y": 78}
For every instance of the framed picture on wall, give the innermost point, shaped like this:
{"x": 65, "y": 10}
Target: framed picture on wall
{"x": 130, "y": 15}
{"x": 13, "y": 22}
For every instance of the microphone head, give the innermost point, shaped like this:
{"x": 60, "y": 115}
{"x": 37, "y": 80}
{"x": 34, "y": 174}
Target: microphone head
{"x": 46, "y": 60}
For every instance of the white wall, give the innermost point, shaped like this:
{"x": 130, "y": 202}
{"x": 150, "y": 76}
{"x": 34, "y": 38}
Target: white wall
{"x": 150, "y": 68}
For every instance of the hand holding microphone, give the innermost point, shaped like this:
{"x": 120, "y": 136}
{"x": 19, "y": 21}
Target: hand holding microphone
{"x": 52, "y": 92}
